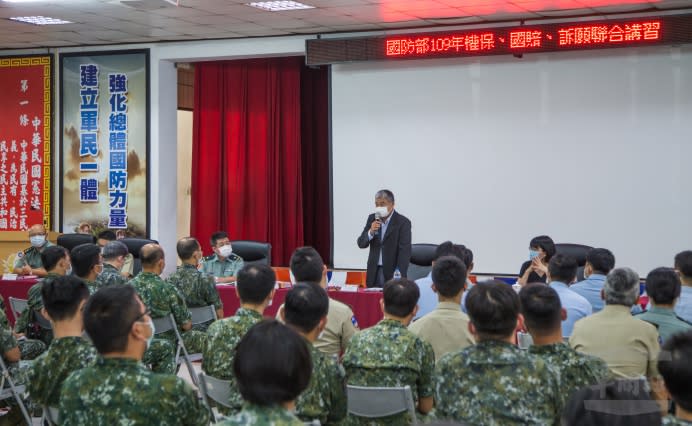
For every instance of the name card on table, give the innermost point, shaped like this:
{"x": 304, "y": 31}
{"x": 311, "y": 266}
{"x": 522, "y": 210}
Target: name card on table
{"x": 9, "y": 277}
{"x": 350, "y": 288}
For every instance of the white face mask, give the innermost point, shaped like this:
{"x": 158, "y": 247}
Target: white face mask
{"x": 37, "y": 240}
{"x": 153, "y": 331}
{"x": 383, "y": 212}
{"x": 225, "y": 251}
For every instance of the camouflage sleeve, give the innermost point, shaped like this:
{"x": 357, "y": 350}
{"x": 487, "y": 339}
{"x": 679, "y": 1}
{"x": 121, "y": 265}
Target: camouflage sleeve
{"x": 7, "y": 341}
{"x": 34, "y": 298}
{"x": 179, "y": 308}
{"x": 213, "y": 297}
{"x": 441, "y": 375}
{"x": 4, "y": 322}
{"x": 22, "y": 323}
{"x": 70, "y": 406}
{"x": 425, "y": 381}
{"x": 192, "y": 410}
{"x": 552, "y": 388}
{"x": 337, "y": 387}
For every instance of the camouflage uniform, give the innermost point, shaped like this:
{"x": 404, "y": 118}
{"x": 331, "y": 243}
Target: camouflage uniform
{"x": 389, "y": 355}
{"x": 7, "y": 343}
{"x": 198, "y": 289}
{"x": 50, "y": 370}
{"x": 32, "y": 257}
{"x": 26, "y": 324}
{"x": 160, "y": 356}
{"x": 228, "y": 267}
{"x": 671, "y": 420}
{"x": 109, "y": 276}
{"x": 222, "y": 338}
{"x": 325, "y": 397}
{"x": 254, "y": 415}
{"x": 496, "y": 383}
{"x": 121, "y": 391}
{"x": 577, "y": 370}
{"x": 163, "y": 299}
{"x": 93, "y": 286}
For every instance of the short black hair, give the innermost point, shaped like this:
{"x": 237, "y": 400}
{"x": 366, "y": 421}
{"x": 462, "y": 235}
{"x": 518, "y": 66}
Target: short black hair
{"x": 50, "y": 256}
{"x": 305, "y": 305}
{"x": 186, "y": 247}
{"x": 150, "y": 254}
{"x": 400, "y": 297}
{"x": 675, "y": 367}
{"x": 683, "y": 263}
{"x": 546, "y": 243}
{"x": 493, "y": 308}
{"x": 106, "y": 235}
{"x": 216, "y": 236}
{"x": 272, "y": 364}
{"x": 255, "y": 282}
{"x": 467, "y": 258}
{"x": 563, "y": 268}
{"x": 84, "y": 257}
{"x": 663, "y": 286}
{"x": 449, "y": 276}
{"x": 62, "y": 296}
{"x": 448, "y": 248}
{"x": 307, "y": 265}
{"x": 601, "y": 260}
{"x": 108, "y": 317}
{"x": 541, "y": 307}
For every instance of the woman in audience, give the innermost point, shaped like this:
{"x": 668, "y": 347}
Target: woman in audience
{"x": 534, "y": 270}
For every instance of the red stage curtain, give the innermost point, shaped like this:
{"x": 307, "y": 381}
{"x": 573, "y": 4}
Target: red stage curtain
{"x": 246, "y": 166}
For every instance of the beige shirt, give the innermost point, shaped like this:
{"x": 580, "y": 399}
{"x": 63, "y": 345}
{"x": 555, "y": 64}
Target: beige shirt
{"x": 128, "y": 265}
{"x": 628, "y": 345}
{"x": 445, "y": 328}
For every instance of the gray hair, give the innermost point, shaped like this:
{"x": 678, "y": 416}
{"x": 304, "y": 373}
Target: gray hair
{"x": 621, "y": 287}
{"x": 113, "y": 249}
{"x": 386, "y": 194}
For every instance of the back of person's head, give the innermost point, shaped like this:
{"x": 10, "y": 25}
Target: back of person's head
{"x": 84, "y": 257}
{"x": 448, "y": 248}
{"x": 467, "y": 258}
{"x": 62, "y": 296}
{"x": 109, "y": 315}
{"x": 307, "y": 265}
{"x": 150, "y": 254}
{"x": 50, "y": 256}
{"x": 272, "y": 364}
{"x": 305, "y": 305}
{"x": 107, "y": 235}
{"x": 546, "y": 243}
{"x": 255, "y": 282}
{"x": 541, "y": 307}
{"x": 562, "y": 268}
{"x": 675, "y": 365}
{"x": 400, "y": 297}
{"x": 187, "y": 247}
{"x": 683, "y": 263}
{"x": 217, "y": 236}
{"x": 493, "y": 308}
{"x": 601, "y": 260}
{"x": 621, "y": 287}
{"x": 114, "y": 249}
{"x": 449, "y": 276}
{"x": 624, "y": 402}
{"x": 663, "y": 286}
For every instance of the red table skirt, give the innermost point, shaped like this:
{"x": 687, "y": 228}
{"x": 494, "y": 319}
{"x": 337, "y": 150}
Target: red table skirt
{"x": 17, "y": 289}
{"x": 365, "y": 304}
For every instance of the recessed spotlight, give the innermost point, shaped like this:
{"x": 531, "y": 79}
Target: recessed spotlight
{"x": 275, "y": 6}
{"x": 40, "y": 20}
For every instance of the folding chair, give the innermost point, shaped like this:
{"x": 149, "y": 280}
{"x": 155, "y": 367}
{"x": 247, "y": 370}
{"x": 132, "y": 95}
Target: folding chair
{"x": 167, "y": 323}
{"x": 13, "y": 391}
{"x": 50, "y": 415}
{"x": 203, "y": 314}
{"x": 380, "y": 401}
{"x": 215, "y": 390}
{"x": 18, "y": 306}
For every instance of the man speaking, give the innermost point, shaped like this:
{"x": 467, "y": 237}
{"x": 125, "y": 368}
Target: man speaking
{"x": 389, "y": 236}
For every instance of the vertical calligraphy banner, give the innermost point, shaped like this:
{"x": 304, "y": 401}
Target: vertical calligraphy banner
{"x": 104, "y": 135}
{"x": 25, "y": 141}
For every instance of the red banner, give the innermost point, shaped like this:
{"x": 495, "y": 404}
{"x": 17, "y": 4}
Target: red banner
{"x": 25, "y": 142}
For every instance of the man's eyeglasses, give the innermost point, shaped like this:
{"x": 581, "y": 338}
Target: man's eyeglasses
{"x": 142, "y": 315}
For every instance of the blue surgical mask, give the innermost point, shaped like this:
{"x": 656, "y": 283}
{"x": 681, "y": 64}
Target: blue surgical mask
{"x": 533, "y": 254}
{"x": 37, "y": 240}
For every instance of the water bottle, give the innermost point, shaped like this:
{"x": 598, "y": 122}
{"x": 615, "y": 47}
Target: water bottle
{"x": 397, "y": 274}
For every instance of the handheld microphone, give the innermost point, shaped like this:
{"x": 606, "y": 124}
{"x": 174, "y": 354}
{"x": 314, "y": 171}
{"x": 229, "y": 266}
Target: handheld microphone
{"x": 378, "y": 217}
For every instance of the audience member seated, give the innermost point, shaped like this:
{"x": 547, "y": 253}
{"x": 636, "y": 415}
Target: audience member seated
{"x": 272, "y": 364}
{"x": 305, "y": 311}
{"x": 535, "y": 270}
{"x": 663, "y": 288}
{"x": 389, "y": 355}
{"x": 29, "y": 263}
{"x": 676, "y": 369}
{"x": 64, "y": 299}
{"x": 128, "y": 267}
{"x": 683, "y": 265}
{"x": 495, "y": 382}
{"x": 599, "y": 262}
{"x": 114, "y": 255}
{"x": 197, "y": 288}
{"x": 118, "y": 389}
{"x": 11, "y": 355}
{"x": 87, "y": 264}
{"x": 629, "y": 346}
{"x": 623, "y": 402}
{"x": 428, "y": 297}
{"x": 307, "y": 267}
{"x": 255, "y": 289}
{"x": 562, "y": 270}
{"x": 223, "y": 265}
{"x": 446, "y": 328}
{"x": 543, "y": 314}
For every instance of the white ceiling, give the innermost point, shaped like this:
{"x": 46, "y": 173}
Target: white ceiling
{"x": 100, "y": 22}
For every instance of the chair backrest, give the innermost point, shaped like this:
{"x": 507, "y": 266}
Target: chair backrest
{"x": 164, "y": 324}
{"x": 42, "y": 321}
{"x": 203, "y": 314}
{"x": 253, "y": 251}
{"x": 18, "y": 306}
{"x": 422, "y": 256}
{"x": 216, "y": 390}
{"x": 374, "y": 402}
{"x": 50, "y": 415}
{"x": 9, "y": 390}
{"x": 70, "y": 241}
{"x": 133, "y": 246}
